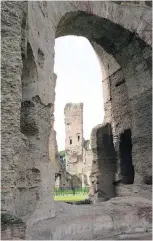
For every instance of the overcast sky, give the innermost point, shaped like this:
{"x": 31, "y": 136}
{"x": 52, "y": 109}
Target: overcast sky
{"x": 78, "y": 80}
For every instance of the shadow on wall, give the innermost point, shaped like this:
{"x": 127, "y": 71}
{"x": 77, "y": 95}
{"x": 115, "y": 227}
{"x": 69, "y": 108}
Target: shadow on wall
{"x": 126, "y": 165}
{"x": 29, "y": 84}
{"x": 106, "y": 157}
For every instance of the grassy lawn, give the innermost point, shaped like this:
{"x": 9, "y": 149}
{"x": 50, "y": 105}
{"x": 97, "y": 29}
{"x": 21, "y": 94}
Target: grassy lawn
{"x": 70, "y": 198}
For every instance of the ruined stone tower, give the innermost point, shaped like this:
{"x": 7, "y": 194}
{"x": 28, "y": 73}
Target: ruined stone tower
{"x": 74, "y": 138}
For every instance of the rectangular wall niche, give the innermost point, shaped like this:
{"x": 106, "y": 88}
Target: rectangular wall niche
{"x": 125, "y": 150}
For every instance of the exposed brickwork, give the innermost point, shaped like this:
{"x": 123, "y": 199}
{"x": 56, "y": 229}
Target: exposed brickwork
{"x": 74, "y": 137}
{"x": 78, "y": 151}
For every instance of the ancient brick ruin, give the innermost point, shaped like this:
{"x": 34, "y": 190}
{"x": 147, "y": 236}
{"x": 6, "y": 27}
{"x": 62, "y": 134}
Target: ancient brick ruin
{"x": 74, "y": 138}
{"x": 78, "y": 154}
{"x": 121, "y": 35}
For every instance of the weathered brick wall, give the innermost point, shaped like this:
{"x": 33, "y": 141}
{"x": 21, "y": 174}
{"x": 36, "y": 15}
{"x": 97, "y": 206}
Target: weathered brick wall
{"x": 74, "y": 137}
{"x": 12, "y": 228}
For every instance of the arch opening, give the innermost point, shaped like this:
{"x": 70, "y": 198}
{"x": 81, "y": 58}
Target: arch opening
{"x": 78, "y": 105}
{"x": 126, "y": 52}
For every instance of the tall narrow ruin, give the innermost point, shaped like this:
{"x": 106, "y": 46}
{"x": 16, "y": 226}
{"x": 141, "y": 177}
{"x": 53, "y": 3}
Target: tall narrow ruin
{"x": 74, "y": 138}
{"x": 78, "y": 151}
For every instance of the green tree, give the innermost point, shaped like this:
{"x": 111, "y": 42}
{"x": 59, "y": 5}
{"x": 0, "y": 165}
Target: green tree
{"x": 62, "y": 158}
{"x": 62, "y": 153}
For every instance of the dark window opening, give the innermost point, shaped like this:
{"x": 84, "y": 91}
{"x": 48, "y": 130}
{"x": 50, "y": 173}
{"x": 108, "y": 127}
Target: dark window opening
{"x": 70, "y": 141}
{"x": 78, "y": 138}
{"x": 126, "y": 165}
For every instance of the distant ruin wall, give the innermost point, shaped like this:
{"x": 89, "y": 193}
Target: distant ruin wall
{"x": 78, "y": 150}
{"x": 74, "y": 137}
{"x": 87, "y": 162}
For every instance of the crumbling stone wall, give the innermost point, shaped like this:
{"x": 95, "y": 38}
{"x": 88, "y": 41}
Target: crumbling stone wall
{"x": 74, "y": 137}
{"x": 127, "y": 40}
{"x": 53, "y": 152}
{"x": 67, "y": 180}
{"x": 104, "y": 163}
{"x": 53, "y": 148}
{"x": 87, "y": 162}
{"x": 26, "y": 121}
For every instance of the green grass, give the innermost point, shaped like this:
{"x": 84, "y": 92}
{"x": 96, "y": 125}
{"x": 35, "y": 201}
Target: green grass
{"x": 69, "y": 191}
{"x": 70, "y": 198}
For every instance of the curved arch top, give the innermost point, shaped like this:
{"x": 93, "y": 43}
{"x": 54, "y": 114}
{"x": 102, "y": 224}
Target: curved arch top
{"x": 123, "y": 14}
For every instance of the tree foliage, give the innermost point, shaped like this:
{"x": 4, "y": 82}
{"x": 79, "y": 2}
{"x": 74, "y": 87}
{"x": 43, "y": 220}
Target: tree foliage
{"x": 62, "y": 153}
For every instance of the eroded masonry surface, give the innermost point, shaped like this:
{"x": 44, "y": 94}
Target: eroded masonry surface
{"x": 121, "y": 145}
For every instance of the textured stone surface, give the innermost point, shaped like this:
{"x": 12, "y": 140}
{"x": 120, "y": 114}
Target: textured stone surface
{"x": 53, "y": 151}
{"x": 12, "y": 228}
{"x": 137, "y": 190}
{"x": 12, "y": 145}
{"x": 124, "y": 216}
{"x": 28, "y": 36}
{"x": 26, "y": 124}
{"x": 104, "y": 162}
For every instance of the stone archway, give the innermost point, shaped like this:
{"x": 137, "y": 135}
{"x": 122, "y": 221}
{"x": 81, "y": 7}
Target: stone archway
{"x": 128, "y": 40}
{"x": 124, "y": 86}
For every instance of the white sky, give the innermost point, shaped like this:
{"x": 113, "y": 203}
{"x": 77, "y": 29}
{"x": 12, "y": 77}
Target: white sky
{"x": 79, "y": 79}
